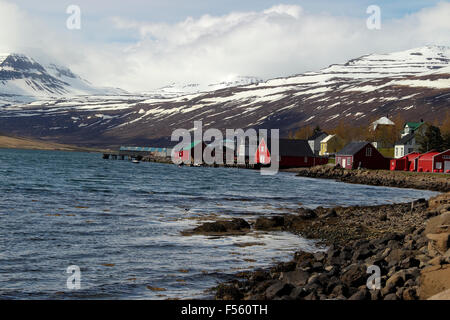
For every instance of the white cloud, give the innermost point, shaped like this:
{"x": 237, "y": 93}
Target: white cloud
{"x": 279, "y": 41}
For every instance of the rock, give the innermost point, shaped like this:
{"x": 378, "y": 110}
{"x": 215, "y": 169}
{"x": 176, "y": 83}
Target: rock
{"x": 375, "y": 295}
{"x": 264, "y": 223}
{"x": 340, "y": 290}
{"x": 361, "y": 294}
{"x": 444, "y": 295}
{"x": 439, "y": 224}
{"x": 235, "y": 225}
{"x": 228, "y": 292}
{"x": 330, "y": 214}
{"x": 410, "y": 294}
{"x": 391, "y": 296}
{"x": 297, "y": 277}
{"x": 440, "y": 241}
{"x": 393, "y": 283}
{"x": 306, "y": 214}
{"x": 434, "y": 280}
{"x": 278, "y": 289}
{"x": 396, "y": 256}
{"x": 354, "y": 276}
{"x": 437, "y": 261}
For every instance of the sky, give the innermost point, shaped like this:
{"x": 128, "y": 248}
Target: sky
{"x": 140, "y": 45}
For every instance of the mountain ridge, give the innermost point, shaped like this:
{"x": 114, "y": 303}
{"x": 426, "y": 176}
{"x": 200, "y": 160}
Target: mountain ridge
{"x": 414, "y": 83}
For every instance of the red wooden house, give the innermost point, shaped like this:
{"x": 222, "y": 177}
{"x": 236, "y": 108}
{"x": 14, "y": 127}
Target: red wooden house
{"x": 361, "y": 154}
{"x": 406, "y": 163}
{"x": 292, "y": 154}
{"x": 434, "y": 161}
{"x": 425, "y": 161}
{"x": 186, "y": 154}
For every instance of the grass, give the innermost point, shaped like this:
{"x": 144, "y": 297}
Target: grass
{"x": 387, "y": 152}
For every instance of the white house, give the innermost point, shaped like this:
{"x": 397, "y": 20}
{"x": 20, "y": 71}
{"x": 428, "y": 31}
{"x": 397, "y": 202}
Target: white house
{"x": 407, "y": 143}
{"x": 314, "y": 141}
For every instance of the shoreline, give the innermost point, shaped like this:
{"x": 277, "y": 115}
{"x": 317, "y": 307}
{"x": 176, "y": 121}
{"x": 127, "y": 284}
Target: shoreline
{"x": 409, "y": 242}
{"x": 398, "y": 179}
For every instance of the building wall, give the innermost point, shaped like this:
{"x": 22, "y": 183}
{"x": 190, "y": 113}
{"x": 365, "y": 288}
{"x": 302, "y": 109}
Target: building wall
{"x": 347, "y": 164}
{"x": 442, "y": 162}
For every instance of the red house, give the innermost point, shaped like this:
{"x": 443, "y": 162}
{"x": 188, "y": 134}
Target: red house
{"x": 406, "y": 163}
{"x": 425, "y": 161}
{"x": 361, "y": 154}
{"x": 441, "y": 162}
{"x": 292, "y": 154}
{"x": 187, "y": 153}
{"x": 262, "y": 154}
{"x": 434, "y": 161}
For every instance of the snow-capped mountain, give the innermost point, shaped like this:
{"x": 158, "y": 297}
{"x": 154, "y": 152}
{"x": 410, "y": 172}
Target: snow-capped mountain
{"x": 413, "y": 83}
{"x": 180, "y": 89}
{"x": 23, "y": 79}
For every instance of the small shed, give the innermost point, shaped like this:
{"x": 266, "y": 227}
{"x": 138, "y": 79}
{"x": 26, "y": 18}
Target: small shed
{"x": 361, "y": 154}
{"x": 292, "y": 154}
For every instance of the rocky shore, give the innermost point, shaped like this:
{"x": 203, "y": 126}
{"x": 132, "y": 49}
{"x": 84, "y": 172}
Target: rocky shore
{"x": 409, "y": 244}
{"x": 400, "y": 179}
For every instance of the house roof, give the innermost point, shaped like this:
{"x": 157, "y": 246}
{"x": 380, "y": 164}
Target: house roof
{"x": 192, "y": 145}
{"x": 414, "y": 125}
{"x": 317, "y": 135}
{"x": 382, "y": 121}
{"x": 405, "y": 139}
{"x": 429, "y": 155}
{"x": 328, "y": 138}
{"x": 352, "y": 148}
{"x": 292, "y": 148}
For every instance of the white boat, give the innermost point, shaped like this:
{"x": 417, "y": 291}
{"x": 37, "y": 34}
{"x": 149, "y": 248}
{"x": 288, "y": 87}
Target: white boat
{"x": 136, "y": 161}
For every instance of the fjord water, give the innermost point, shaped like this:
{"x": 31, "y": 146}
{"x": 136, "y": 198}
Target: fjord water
{"x": 120, "y": 223}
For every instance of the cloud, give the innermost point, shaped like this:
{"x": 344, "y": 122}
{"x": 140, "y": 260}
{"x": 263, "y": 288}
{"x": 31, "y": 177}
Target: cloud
{"x": 279, "y": 41}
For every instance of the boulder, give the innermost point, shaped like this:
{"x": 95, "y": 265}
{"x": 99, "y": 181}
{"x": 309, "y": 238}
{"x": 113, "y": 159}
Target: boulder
{"x": 434, "y": 280}
{"x": 268, "y": 223}
{"x": 297, "y": 277}
{"x": 278, "y": 289}
{"x": 354, "y": 276}
{"x": 361, "y": 294}
{"x": 440, "y": 241}
{"x": 232, "y": 226}
{"x": 306, "y": 214}
{"x": 444, "y": 295}
{"x": 438, "y": 224}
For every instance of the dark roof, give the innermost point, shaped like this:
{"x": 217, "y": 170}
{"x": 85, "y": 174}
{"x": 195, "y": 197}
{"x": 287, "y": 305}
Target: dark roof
{"x": 317, "y": 134}
{"x": 405, "y": 139}
{"x": 352, "y": 148}
{"x": 292, "y": 148}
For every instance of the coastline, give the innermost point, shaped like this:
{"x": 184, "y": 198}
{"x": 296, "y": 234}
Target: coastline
{"x": 409, "y": 242}
{"x": 21, "y": 143}
{"x": 399, "y": 179}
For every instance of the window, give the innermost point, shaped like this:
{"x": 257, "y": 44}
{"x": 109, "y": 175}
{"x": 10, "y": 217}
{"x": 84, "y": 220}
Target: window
{"x": 306, "y": 159}
{"x": 369, "y": 152}
{"x": 439, "y": 165}
{"x": 396, "y": 152}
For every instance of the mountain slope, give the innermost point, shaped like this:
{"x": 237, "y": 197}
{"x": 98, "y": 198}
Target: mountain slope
{"x": 413, "y": 83}
{"x": 22, "y": 78}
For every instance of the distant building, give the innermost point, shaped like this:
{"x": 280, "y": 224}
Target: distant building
{"x": 292, "y": 154}
{"x": 361, "y": 154}
{"x": 383, "y": 121}
{"x": 315, "y": 140}
{"x": 187, "y": 152}
{"x": 330, "y": 145}
{"x": 407, "y": 144}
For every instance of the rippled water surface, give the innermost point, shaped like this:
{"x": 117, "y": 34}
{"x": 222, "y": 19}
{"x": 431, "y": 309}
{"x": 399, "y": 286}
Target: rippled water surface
{"x": 120, "y": 223}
